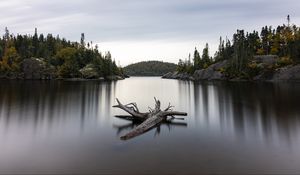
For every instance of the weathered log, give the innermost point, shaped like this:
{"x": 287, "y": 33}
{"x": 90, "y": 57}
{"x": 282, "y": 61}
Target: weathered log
{"x": 145, "y": 126}
{"x": 150, "y": 119}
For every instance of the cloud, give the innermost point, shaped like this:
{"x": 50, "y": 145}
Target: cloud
{"x": 134, "y": 21}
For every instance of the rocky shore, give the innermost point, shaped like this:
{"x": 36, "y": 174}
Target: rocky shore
{"x": 37, "y": 69}
{"x": 216, "y": 72}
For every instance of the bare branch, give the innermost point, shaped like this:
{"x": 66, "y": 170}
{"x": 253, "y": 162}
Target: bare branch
{"x": 169, "y": 108}
{"x": 157, "y": 105}
{"x": 133, "y": 106}
{"x": 131, "y": 110}
{"x": 172, "y": 113}
{"x": 150, "y": 109}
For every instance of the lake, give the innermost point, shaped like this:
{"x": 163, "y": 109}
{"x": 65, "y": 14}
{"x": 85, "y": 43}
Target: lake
{"x": 69, "y": 127}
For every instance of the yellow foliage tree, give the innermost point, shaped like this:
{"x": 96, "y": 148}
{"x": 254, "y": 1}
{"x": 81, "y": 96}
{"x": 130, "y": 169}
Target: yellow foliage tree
{"x": 10, "y": 60}
{"x": 260, "y": 51}
{"x": 66, "y": 59}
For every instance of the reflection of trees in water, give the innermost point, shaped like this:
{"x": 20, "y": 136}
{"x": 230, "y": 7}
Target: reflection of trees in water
{"x": 275, "y": 103}
{"x": 203, "y": 94}
{"x": 53, "y": 102}
{"x": 252, "y": 107}
{"x": 186, "y": 95}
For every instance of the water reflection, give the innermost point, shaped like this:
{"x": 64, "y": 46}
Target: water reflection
{"x": 51, "y": 105}
{"x": 261, "y": 111}
{"x": 256, "y": 111}
{"x": 232, "y": 127}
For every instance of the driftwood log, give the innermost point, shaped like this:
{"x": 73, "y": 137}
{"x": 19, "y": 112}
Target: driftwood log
{"x": 149, "y": 119}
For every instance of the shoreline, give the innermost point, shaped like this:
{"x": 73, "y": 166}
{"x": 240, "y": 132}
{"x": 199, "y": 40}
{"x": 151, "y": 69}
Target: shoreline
{"x": 111, "y": 78}
{"x": 289, "y": 73}
{"x": 236, "y": 80}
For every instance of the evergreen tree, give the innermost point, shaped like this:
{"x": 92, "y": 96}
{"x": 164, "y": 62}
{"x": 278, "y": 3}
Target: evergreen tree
{"x": 35, "y": 43}
{"x": 197, "y": 60}
{"x": 205, "y": 57}
{"x": 82, "y": 40}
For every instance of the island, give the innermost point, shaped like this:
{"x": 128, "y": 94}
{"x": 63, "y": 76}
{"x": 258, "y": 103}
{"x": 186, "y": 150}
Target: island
{"x": 149, "y": 68}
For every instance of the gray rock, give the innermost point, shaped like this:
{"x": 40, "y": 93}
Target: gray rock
{"x": 264, "y": 76}
{"x": 169, "y": 75}
{"x": 288, "y": 73}
{"x": 89, "y": 72}
{"x": 36, "y": 68}
{"x": 177, "y": 75}
{"x": 208, "y": 74}
{"x": 219, "y": 65}
{"x": 266, "y": 59}
{"x": 114, "y": 78}
{"x": 212, "y": 72}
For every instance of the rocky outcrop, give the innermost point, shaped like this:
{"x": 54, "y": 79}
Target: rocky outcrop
{"x": 265, "y": 63}
{"x": 36, "y": 68}
{"x": 266, "y": 59}
{"x": 288, "y": 73}
{"x": 213, "y": 72}
{"x": 114, "y": 78}
{"x": 177, "y": 75}
{"x": 208, "y": 74}
{"x": 266, "y": 75}
{"x": 89, "y": 72}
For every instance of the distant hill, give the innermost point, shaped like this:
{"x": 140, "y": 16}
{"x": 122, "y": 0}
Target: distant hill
{"x": 149, "y": 68}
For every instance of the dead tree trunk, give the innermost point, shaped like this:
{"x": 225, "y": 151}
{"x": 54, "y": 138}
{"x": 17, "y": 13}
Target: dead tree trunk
{"x": 150, "y": 119}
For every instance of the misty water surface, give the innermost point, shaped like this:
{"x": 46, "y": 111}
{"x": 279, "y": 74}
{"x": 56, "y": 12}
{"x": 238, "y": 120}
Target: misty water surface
{"x": 68, "y": 127}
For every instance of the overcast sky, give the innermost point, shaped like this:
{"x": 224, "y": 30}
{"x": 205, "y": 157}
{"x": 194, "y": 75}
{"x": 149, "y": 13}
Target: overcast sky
{"x": 135, "y": 30}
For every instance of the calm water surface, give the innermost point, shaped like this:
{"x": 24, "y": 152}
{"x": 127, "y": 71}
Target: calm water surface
{"x": 69, "y": 127}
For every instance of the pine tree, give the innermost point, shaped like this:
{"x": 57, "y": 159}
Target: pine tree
{"x": 197, "y": 60}
{"x": 82, "y": 40}
{"x": 35, "y": 43}
{"x": 205, "y": 56}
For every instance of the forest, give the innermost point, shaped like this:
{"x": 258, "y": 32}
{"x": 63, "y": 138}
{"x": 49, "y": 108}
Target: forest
{"x": 282, "y": 42}
{"x": 149, "y": 68}
{"x": 52, "y": 57}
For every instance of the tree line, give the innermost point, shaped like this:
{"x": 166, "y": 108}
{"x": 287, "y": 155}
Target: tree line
{"x": 65, "y": 57}
{"x": 283, "y": 41}
{"x": 149, "y": 68}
